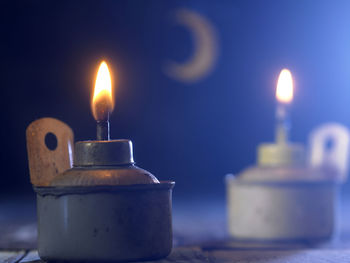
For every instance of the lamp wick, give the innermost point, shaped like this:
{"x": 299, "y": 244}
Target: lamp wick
{"x": 103, "y": 133}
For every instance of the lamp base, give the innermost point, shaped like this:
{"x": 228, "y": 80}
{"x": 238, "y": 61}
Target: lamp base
{"x": 104, "y": 223}
{"x": 281, "y": 209}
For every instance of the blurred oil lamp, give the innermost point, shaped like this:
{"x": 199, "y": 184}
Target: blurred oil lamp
{"x": 99, "y": 206}
{"x": 289, "y": 195}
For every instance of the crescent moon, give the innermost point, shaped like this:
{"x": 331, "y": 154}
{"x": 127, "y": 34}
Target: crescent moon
{"x": 203, "y": 60}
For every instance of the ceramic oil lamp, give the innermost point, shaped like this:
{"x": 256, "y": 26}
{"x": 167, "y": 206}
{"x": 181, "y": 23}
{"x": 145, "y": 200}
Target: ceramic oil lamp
{"x": 290, "y": 194}
{"x": 99, "y": 206}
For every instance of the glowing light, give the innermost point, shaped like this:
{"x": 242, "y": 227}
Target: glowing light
{"x": 102, "y": 101}
{"x": 284, "y": 90}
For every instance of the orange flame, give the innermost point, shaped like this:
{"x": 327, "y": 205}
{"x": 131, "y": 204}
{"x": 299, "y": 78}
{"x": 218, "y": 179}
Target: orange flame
{"x": 284, "y": 90}
{"x": 102, "y": 102}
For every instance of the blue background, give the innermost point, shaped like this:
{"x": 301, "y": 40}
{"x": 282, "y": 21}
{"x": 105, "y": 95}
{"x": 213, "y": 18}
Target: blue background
{"x": 193, "y": 133}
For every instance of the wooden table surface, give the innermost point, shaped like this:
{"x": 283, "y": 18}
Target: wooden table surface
{"x": 199, "y": 236}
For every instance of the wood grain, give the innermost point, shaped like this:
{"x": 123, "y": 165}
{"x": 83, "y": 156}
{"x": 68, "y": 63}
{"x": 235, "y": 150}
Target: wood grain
{"x": 280, "y": 256}
{"x": 184, "y": 254}
{"x": 196, "y": 255}
{"x": 11, "y": 256}
{"x": 31, "y": 257}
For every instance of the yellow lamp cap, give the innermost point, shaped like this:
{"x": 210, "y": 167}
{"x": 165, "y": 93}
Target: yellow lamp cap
{"x": 278, "y": 154}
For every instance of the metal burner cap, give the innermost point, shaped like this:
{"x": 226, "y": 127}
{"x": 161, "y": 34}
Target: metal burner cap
{"x": 103, "y": 153}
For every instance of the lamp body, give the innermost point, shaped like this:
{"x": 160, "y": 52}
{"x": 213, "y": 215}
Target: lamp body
{"x": 104, "y": 223}
{"x": 269, "y": 204}
{"x": 104, "y": 208}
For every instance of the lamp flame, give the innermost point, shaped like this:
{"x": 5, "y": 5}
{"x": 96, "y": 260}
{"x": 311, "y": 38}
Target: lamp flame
{"x": 284, "y": 90}
{"x": 102, "y": 102}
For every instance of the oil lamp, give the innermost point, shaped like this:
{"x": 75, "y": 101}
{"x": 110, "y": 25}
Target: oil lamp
{"x": 289, "y": 195}
{"x": 99, "y": 206}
